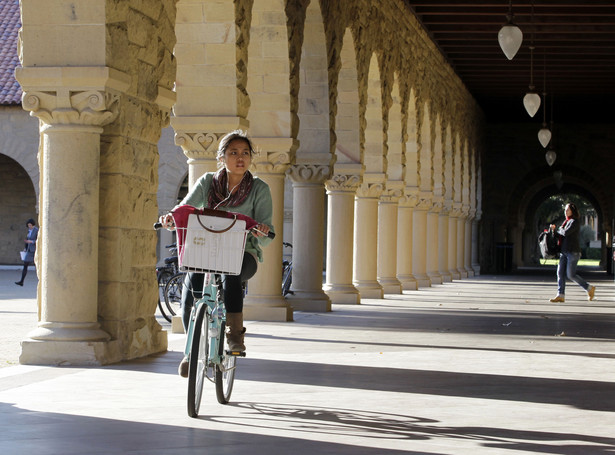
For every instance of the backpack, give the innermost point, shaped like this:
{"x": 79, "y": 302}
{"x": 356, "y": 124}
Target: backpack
{"x": 549, "y": 244}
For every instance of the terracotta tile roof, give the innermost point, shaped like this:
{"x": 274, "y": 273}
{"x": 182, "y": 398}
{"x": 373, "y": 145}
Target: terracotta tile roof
{"x": 10, "y": 91}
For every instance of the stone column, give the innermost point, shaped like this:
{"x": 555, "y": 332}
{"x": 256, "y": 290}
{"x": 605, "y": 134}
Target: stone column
{"x": 404, "y": 242}
{"x": 475, "y": 263}
{"x": 452, "y": 241}
{"x": 264, "y": 301}
{"x": 388, "y": 207}
{"x": 467, "y": 256}
{"x": 432, "y": 255}
{"x": 365, "y": 271}
{"x": 461, "y": 243}
{"x": 341, "y": 189}
{"x": 72, "y": 120}
{"x": 308, "y": 233}
{"x": 443, "y": 222}
{"x": 419, "y": 240}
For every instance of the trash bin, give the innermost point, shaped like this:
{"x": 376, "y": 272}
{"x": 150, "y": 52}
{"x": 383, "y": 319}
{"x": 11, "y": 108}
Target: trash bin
{"x": 503, "y": 257}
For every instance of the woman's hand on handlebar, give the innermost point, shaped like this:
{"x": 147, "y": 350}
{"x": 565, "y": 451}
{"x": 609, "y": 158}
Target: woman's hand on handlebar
{"x": 167, "y": 221}
{"x": 260, "y": 230}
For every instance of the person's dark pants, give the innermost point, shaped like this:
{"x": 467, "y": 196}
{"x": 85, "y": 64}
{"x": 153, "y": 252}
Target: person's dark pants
{"x": 24, "y": 272}
{"x": 232, "y": 287}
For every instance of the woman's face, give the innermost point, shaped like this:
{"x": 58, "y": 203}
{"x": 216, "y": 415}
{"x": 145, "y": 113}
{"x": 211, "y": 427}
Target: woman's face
{"x": 237, "y": 157}
{"x": 568, "y": 211}
{"x": 30, "y": 225}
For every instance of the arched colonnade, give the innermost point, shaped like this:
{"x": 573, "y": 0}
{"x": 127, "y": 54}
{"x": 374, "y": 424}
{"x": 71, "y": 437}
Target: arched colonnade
{"x": 374, "y": 121}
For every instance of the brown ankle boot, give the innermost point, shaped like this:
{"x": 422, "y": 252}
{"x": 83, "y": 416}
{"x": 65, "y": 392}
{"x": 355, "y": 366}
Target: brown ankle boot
{"x": 235, "y": 332}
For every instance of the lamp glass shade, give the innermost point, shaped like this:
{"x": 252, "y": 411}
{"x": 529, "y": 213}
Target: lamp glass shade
{"x": 531, "y": 101}
{"x": 544, "y": 136}
{"x": 550, "y": 156}
{"x": 510, "y": 37}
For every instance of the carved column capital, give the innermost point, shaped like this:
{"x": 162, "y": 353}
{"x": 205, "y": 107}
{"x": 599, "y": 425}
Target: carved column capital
{"x": 370, "y": 190}
{"x": 392, "y": 194}
{"x": 425, "y": 201}
{"x": 308, "y": 173}
{"x": 66, "y": 106}
{"x": 343, "y": 183}
{"x": 198, "y": 145}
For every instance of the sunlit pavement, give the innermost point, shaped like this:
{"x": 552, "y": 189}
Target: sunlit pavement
{"x": 484, "y": 365}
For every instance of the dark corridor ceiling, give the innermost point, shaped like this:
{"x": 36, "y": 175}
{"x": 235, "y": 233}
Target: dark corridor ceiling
{"x": 574, "y": 48}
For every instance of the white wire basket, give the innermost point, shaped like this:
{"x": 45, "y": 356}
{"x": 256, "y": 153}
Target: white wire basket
{"x": 212, "y": 244}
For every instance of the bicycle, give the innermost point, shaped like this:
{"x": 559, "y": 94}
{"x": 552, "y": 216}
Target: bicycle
{"x": 214, "y": 248}
{"x": 163, "y": 275}
{"x": 287, "y": 274}
{"x": 172, "y": 293}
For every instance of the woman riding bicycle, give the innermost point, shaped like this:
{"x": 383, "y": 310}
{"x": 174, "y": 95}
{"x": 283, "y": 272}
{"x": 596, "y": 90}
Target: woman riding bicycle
{"x": 235, "y": 189}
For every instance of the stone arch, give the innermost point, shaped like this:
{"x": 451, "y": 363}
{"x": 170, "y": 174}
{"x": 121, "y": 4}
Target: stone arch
{"x": 438, "y": 158}
{"x": 19, "y": 140}
{"x": 313, "y": 103}
{"x": 534, "y": 188}
{"x": 411, "y": 143}
{"x": 348, "y": 143}
{"x": 425, "y": 161}
{"x": 268, "y": 70}
{"x": 374, "y": 157}
{"x": 448, "y": 157}
{"x": 395, "y": 155}
{"x": 17, "y": 204}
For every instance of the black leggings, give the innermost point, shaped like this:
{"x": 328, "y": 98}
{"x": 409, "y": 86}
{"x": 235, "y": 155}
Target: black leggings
{"x": 232, "y": 286}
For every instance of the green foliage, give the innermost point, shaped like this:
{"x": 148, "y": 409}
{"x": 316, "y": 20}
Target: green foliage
{"x": 593, "y": 253}
{"x": 551, "y": 211}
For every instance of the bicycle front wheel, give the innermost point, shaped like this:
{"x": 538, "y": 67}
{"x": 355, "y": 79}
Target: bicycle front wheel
{"x": 173, "y": 293}
{"x": 225, "y": 371}
{"x": 197, "y": 371}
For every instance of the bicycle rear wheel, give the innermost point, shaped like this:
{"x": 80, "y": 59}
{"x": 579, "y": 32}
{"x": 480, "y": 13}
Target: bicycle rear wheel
{"x": 163, "y": 278}
{"x": 173, "y": 293}
{"x": 225, "y": 371}
{"x": 197, "y": 371}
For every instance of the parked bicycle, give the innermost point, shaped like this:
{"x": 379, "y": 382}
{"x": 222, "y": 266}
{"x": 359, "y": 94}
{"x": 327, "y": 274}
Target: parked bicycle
{"x": 287, "y": 273}
{"x": 173, "y": 293}
{"x": 214, "y": 246}
{"x": 163, "y": 275}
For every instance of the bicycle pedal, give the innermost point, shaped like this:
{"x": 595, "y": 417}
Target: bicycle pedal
{"x": 236, "y": 353}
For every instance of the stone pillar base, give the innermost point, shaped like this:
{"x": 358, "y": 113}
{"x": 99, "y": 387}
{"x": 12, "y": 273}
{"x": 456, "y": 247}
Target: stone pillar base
{"x": 455, "y": 275}
{"x": 462, "y": 273}
{"x": 446, "y": 277}
{"x": 267, "y": 309}
{"x": 344, "y": 295}
{"x": 408, "y": 282}
{"x": 422, "y": 281}
{"x": 369, "y": 290}
{"x": 317, "y": 302}
{"x": 390, "y": 285}
{"x": 435, "y": 278}
{"x": 78, "y": 353}
{"x": 177, "y": 326}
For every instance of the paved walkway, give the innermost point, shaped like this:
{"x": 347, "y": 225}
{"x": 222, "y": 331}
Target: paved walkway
{"x": 478, "y": 366}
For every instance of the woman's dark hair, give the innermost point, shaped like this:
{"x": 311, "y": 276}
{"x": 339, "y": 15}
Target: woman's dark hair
{"x": 575, "y": 211}
{"x": 30, "y": 221}
{"x": 230, "y": 137}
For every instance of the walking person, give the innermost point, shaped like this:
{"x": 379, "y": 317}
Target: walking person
{"x": 568, "y": 233}
{"x": 232, "y": 188}
{"x": 29, "y": 249}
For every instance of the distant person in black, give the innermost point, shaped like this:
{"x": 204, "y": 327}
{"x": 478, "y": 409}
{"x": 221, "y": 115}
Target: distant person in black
{"x": 30, "y": 248}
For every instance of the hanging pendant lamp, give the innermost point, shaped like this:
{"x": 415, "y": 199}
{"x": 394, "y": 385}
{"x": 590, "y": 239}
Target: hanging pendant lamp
{"x": 544, "y": 134}
{"x": 531, "y": 100}
{"x": 550, "y": 156}
{"x": 510, "y": 36}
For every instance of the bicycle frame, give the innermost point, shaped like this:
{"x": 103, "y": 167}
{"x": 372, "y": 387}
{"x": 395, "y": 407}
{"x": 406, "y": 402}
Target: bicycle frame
{"x": 216, "y": 315}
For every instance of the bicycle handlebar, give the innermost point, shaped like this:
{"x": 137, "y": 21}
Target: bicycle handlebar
{"x": 271, "y": 235}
